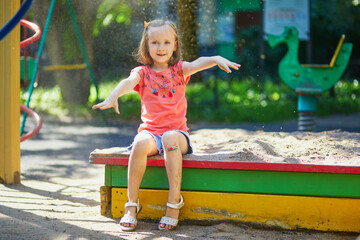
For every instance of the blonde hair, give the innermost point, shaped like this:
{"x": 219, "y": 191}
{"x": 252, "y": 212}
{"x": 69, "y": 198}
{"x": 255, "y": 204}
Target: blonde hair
{"x": 142, "y": 54}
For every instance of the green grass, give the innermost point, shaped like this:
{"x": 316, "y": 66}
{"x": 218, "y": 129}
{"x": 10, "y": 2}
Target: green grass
{"x": 214, "y": 100}
{"x": 45, "y": 101}
{"x": 347, "y": 99}
{"x": 240, "y": 101}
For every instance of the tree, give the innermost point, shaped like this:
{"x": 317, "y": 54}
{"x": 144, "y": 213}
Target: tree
{"x": 188, "y": 28}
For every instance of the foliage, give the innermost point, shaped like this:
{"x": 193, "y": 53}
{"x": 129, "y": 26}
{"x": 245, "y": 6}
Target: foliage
{"x": 110, "y": 10}
{"x": 45, "y": 100}
{"x": 347, "y": 99}
{"x": 249, "y": 42}
{"x": 118, "y": 33}
{"x": 329, "y": 20}
{"x": 241, "y": 101}
{"x": 238, "y": 101}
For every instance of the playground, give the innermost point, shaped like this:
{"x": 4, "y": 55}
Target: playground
{"x": 59, "y": 198}
{"x": 295, "y": 179}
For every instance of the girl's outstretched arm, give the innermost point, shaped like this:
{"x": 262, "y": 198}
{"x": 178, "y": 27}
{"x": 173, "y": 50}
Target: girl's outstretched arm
{"x": 202, "y": 63}
{"x": 125, "y": 86}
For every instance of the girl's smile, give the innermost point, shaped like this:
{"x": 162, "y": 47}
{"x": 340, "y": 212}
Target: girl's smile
{"x": 162, "y": 44}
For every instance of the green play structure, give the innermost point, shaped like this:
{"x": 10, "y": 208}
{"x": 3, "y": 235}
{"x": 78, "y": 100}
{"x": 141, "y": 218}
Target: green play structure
{"x": 309, "y": 81}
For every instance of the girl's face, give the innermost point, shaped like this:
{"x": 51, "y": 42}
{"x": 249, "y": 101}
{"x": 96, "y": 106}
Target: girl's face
{"x": 162, "y": 44}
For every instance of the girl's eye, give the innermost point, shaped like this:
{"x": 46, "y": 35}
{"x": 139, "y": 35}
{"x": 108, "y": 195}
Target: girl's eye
{"x": 154, "y": 42}
{"x": 167, "y": 42}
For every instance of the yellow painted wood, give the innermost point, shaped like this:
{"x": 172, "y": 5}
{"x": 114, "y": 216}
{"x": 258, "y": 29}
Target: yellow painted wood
{"x": 9, "y": 97}
{"x": 288, "y": 212}
{"x": 64, "y": 67}
{"x": 336, "y": 54}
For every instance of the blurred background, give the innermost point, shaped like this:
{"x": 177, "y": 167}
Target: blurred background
{"x": 235, "y": 29}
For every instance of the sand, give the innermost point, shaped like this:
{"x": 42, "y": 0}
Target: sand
{"x": 59, "y": 194}
{"x": 326, "y": 148}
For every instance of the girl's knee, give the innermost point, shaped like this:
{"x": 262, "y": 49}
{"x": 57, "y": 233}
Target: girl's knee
{"x": 143, "y": 144}
{"x": 170, "y": 138}
{"x": 173, "y": 141}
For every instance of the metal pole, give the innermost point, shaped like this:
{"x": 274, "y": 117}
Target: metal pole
{"x": 41, "y": 48}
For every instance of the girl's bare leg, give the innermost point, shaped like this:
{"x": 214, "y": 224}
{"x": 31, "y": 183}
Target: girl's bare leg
{"x": 144, "y": 145}
{"x": 175, "y": 145}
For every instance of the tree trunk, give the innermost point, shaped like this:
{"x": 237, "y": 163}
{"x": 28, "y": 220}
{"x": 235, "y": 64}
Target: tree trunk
{"x": 188, "y": 28}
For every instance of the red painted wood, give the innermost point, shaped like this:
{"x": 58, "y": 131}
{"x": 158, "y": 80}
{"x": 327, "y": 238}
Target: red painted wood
{"x": 285, "y": 167}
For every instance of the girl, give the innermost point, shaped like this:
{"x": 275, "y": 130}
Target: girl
{"x": 161, "y": 85}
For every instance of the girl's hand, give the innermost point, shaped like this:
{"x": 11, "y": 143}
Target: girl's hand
{"x": 108, "y": 103}
{"x": 225, "y": 64}
{"x": 122, "y": 88}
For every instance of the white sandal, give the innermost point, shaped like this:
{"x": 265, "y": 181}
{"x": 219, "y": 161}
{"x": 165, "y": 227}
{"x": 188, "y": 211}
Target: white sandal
{"x": 129, "y": 219}
{"x": 168, "y": 220}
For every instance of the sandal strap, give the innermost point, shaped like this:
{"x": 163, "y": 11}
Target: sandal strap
{"x": 169, "y": 221}
{"x": 133, "y": 204}
{"x": 177, "y": 205}
{"x": 128, "y": 219}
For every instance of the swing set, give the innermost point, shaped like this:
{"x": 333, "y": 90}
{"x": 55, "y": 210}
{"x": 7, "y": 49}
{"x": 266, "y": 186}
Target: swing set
{"x": 31, "y": 65}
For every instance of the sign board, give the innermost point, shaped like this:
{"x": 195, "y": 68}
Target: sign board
{"x": 281, "y": 13}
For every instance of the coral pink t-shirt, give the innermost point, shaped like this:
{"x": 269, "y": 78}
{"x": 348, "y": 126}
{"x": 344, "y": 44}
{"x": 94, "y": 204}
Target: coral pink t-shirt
{"x": 163, "y": 102}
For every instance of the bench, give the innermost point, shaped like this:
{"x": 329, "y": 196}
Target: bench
{"x": 226, "y": 187}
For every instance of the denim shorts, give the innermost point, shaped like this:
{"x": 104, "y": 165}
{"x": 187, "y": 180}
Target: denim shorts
{"x": 159, "y": 146}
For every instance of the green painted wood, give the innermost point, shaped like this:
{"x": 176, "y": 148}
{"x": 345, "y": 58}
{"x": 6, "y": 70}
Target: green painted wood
{"x": 108, "y": 174}
{"x": 268, "y": 182}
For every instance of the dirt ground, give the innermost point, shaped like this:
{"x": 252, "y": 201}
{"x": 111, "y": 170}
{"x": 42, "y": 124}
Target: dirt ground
{"x": 58, "y": 197}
